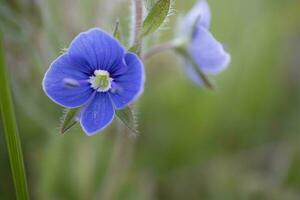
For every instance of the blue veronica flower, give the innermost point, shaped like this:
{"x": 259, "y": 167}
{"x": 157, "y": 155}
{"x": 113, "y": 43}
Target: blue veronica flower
{"x": 97, "y": 74}
{"x": 206, "y": 51}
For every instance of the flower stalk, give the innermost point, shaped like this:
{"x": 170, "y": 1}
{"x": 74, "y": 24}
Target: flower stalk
{"x": 119, "y": 164}
{"x": 158, "y": 49}
{"x": 137, "y": 24}
{"x": 178, "y": 44}
{"x": 11, "y": 134}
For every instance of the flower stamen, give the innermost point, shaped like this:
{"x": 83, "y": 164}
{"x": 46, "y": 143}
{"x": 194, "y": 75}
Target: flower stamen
{"x": 101, "y": 81}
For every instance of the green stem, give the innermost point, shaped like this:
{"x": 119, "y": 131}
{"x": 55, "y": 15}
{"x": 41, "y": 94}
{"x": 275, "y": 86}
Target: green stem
{"x": 11, "y": 131}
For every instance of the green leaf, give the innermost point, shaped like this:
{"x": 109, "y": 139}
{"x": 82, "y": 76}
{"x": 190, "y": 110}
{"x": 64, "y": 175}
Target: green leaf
{"x": 11, "y": 135}
{"x": 117, "y": 33}
{"x": 126, "y": 115}
{"x": 149, "y": 4}
{"x": 156, "y": 17}
{"x": 69, "y": 119}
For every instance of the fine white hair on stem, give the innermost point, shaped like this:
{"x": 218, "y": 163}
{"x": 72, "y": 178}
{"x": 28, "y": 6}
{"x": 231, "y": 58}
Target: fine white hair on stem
{"x": 135, "y": 114}
{"x": 137, "y": 10}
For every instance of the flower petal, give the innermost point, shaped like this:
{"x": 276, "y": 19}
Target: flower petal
{"x": 97, "y": 50}
{"x": 120, "y": 69}
{"x": 201, "y": 9}
{"x": 54, "y": 85}
{"x": 129, "y": 85}
{"x": 208, "y": 53}
{"x": 98, "y": 114}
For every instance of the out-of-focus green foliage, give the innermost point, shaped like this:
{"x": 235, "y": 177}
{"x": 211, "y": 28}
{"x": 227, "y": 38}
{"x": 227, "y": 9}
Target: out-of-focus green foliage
{"x": 238, "y": 142}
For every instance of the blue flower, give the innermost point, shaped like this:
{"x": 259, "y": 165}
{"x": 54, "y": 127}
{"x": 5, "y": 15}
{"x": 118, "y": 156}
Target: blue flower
{"x": 97, "y": 74}
{"x": 208, "y": 54}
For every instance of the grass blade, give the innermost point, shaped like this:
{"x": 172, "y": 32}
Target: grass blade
{"x": 11, "y": 134}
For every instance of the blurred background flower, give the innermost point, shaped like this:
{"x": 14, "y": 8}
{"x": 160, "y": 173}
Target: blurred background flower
{"x": 238, "y": 142}
{"x": 207, "y": 55}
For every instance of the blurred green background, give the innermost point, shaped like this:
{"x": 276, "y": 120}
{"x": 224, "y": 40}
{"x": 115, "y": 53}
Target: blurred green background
{"x": 240, "y": 141}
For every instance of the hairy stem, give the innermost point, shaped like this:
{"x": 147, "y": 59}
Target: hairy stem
{"x": 11, "y": 134}
{"x": 137, "y": 22}
{"x": 119, "y": 164}
{"x": 158, "y": 49}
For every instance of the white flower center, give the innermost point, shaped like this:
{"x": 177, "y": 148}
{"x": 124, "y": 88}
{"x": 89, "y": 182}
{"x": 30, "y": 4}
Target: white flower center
{"x": 101, "y": 81}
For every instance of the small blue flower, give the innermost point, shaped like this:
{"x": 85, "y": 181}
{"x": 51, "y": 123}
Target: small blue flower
{"x": 97, "y": 74}
{"x": 206, "y": 51}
